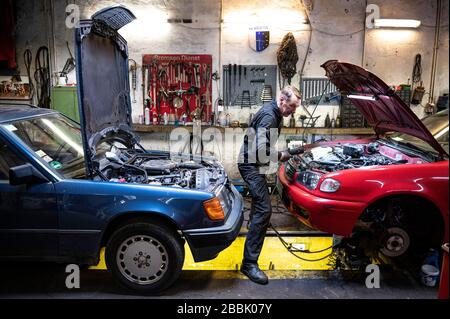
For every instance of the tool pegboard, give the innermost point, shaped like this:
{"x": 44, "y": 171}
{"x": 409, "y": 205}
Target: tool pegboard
{"x": 246, "y": 85}
{"x": 178, "y": 84}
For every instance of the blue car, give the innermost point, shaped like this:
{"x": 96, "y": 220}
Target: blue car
{"x": 67, "y": 190}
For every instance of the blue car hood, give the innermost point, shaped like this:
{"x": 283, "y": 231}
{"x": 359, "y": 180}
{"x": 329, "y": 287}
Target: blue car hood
{"x": 103, "y": 82}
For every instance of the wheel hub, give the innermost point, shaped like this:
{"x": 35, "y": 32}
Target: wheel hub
{"x": 142, "y": 259}
{"x": 396, "y": 243}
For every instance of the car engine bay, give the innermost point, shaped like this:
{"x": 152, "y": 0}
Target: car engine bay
{"x": 345, "y": 156}
{"x": 135, "y": 166}
{"x": 331, "y": 158}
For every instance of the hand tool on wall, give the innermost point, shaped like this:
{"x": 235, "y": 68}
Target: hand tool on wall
{"x": 144, "y": 81}
{"x": 195, "y": 73}
{"x": 229, "y": 84}
{"x": 177, "y": 97}
{"x": 154, "y": 68}
{"x": 207, "y": 93}
{"x": 188, "y": 106}
{"x": 149, "y": 87}
{"x": 225, "y": 71}
{"x": 234, "y": 77}
{"x": 133, "y": 70}
{"x": 245, "y": 101}
{"x": 206, "y": 74}
{"x": 240, "y": 72}
{"x": 245, "y": 73}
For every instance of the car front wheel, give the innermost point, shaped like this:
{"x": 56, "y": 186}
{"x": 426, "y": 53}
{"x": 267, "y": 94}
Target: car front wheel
{"x": 145, "y": 257}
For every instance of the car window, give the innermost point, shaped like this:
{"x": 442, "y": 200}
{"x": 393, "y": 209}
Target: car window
{"x": 56, "y": 140}
{"x": 8, "y": 159}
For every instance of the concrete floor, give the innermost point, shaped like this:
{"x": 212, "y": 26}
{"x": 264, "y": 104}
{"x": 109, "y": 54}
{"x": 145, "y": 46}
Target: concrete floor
{"x": 42, "y": 281}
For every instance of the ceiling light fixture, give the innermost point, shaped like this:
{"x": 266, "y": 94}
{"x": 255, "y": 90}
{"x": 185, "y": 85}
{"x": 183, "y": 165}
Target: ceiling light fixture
{"x": 362, "y": 97}
{"x": 396, "y": 23}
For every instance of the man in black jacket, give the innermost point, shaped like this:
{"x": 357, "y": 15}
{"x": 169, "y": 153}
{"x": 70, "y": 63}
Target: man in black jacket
{"x": 257, "y": 152}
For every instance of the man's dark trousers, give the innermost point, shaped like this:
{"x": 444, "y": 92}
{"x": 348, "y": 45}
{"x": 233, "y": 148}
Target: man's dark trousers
{"x": 261, "y": 210}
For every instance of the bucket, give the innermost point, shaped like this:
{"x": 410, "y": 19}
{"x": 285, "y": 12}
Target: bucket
{"x": 430, "y": 275}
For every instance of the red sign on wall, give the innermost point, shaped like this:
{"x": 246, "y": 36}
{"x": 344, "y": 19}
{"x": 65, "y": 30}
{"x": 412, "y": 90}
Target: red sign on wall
{"x": 178, "y": 85}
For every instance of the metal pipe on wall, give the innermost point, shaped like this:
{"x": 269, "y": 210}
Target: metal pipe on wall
{"x": 435, "y": 49}
{"x": 220, "y": 87}
{"x": 363, "y": 54}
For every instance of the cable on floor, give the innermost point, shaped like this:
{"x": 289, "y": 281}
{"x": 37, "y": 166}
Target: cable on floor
{"x": 289, "y": 248}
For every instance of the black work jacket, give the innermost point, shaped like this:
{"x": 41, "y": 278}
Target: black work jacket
{"x": 258, "y": 136}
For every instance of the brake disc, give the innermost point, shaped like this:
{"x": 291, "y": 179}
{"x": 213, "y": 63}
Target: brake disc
{"x": 396, "y": 242}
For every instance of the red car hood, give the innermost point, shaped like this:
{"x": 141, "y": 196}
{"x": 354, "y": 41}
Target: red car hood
{"x": 387, "y": 112}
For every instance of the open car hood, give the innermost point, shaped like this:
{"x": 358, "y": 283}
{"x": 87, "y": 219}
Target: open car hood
{"x": 383, "y": 109}
{"x": 103, "y": 83}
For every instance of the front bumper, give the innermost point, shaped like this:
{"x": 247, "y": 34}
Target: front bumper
{"x": 207, "y": 243}
{"x": 327, "y": 215}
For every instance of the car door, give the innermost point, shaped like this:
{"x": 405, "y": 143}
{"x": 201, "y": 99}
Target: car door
{"x": 28, "y": 213}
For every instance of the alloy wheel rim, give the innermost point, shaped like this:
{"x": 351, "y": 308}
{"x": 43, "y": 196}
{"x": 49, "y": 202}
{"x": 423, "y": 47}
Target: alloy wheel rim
{"x": 142, "y": 259}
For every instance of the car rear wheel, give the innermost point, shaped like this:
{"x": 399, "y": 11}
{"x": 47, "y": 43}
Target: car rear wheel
{"x": 145, "y": 257}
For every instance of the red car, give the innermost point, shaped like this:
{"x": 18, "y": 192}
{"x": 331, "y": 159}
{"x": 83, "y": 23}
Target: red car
{"x": 393, "y": 187}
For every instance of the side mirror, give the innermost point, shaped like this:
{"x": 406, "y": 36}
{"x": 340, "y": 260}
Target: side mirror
{"x": 25, "y": 174}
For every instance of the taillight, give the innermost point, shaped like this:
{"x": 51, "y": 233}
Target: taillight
{"x": 213, "y": 209}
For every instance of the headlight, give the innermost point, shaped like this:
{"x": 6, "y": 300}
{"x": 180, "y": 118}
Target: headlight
{"x": 329, "y": 185}
{"x": 309, "y": 179}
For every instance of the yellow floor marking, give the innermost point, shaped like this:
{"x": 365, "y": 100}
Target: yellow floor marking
{"x": 274, "y": 256}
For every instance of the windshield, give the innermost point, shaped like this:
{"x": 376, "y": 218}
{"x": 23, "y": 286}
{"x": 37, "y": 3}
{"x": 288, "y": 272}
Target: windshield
{"x": 437, "y": 124}
{"x": 56, "y": 140}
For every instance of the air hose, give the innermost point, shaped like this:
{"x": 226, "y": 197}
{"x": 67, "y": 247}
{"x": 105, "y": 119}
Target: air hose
{"x": 289, "y": 248}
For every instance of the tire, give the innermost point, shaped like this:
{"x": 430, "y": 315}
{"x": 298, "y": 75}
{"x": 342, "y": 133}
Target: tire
{"x": 145, "y": 257}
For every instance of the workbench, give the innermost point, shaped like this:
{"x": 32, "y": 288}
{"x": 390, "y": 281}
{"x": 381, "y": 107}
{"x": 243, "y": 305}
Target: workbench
{"x": 142, "y": 128}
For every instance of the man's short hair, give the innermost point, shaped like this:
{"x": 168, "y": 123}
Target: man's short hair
{"x": 289, "y": 90}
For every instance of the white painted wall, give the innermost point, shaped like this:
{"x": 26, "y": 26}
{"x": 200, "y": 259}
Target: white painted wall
{"x": 338, "y": 33}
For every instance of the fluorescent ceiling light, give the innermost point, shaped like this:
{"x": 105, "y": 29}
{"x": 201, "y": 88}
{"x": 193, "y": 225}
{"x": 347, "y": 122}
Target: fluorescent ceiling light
{"x": 396, "y": 23}
{"x": 362, "y": 97}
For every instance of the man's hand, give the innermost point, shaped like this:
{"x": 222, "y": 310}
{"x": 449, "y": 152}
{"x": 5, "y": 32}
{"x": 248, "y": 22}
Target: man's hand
{"x": 284, "y": 156}
{"x": 296, "y": 150}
